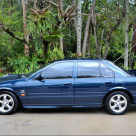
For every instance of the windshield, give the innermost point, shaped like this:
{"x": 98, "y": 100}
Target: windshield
{"x": 41, "y": 67}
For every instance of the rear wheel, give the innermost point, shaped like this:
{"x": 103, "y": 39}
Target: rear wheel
{"x": 118, "y": 103}
{"x": 8, "y": 102}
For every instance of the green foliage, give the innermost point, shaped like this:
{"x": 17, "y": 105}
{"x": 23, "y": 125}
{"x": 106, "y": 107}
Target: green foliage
{"x": 1, "y": 74}
{"x": 14, "y": 22}
{"x": 45, "y": 27}
{"x": 41, "y": 23}
{"x": 125, "y": 68}
{"x": 44, "y": 24}
{"x": 50, "y": 38}
{"x": 54, "y": 54}
{"x": 24, "y": 64}
{"x": 134, "y": 66}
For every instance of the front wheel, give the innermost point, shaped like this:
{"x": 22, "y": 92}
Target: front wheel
{"x": 8, "y": 103}
{"x": 118, "y": 103}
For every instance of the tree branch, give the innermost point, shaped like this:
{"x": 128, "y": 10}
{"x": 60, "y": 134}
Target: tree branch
{"x": 124, "y": 54}
{"x": 119, "y": 21}
{"x": 52, "y": 3}
{"x": 83, "y": 14}
{"x": 72, "y": 9}
{"x": 8, "y": 31}
{"x": 14, "y": 36}
{"x": 67, "y": 9}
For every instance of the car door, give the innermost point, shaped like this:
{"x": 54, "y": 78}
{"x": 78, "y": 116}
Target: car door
{"x": 56, "y": 88}
{"x": 93, "y": 79}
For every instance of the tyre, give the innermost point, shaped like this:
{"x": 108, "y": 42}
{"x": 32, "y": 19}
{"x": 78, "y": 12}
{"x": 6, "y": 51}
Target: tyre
{"x": 117, "y": 103}
{"x": 8, "y": 103}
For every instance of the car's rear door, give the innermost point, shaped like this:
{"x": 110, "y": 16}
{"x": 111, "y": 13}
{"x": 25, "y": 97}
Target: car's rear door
{"x": 56, "y": 88}
{"x": 93, "y": 79}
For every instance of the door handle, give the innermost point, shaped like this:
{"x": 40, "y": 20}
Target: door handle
{"x": 67, "y": 84}
{"x": 108, "y": 82}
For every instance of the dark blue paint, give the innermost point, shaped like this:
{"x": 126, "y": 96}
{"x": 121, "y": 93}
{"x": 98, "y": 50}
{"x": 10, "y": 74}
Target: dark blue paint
{"x": 73, "y": 92}
{"x": 52, "y": 91}
{"x": 90, "y": 90}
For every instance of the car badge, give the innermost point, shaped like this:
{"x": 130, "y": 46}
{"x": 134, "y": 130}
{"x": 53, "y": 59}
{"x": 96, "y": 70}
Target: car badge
{"x": 22, "y": 91}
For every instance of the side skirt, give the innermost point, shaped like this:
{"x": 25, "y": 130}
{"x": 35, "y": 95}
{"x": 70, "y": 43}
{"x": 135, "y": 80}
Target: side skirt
{"x": 61, "y": 106}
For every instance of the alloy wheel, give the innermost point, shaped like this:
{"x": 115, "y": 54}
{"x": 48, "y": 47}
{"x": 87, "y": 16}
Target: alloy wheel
{"x": 118, "y": 103}
{"x": 6, "y": 103}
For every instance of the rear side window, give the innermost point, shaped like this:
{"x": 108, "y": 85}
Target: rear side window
{"x": 88, "y": 70}
{"x": 106, "y": 72}
{"x": 118, "y": 71}
{"x": 59, "y": 71}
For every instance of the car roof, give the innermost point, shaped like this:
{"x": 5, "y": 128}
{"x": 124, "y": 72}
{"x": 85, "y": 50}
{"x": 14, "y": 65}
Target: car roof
{"x": 78, "y": 59}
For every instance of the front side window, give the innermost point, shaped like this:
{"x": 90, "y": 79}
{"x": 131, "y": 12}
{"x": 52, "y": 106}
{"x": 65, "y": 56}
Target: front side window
{"x": 59, "y": 71}
{"x": 33, "y": 72}
{"x": 88, "y": 69}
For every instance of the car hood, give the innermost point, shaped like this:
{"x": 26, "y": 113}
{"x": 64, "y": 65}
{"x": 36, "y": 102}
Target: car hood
{"x": 11, "y": 77}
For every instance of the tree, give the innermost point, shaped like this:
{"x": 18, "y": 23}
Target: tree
{"x": 35, "y": 2}
{"x": 49, "y": 27}
{"x": 133, "y": 53}
{"x": 79, "y": 28}
{"x": 126, "y": 34}
{"x": 99, "y": 26}
{"x": 26, "y": 34}
{"x": 87, "y": 28}
{"x": 59, "y": 15}
{"x": 114, "y": 26}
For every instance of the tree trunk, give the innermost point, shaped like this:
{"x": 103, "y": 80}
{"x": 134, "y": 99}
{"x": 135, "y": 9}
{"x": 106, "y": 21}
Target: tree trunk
{"x": 107, "y": 46}
{"x": 75, "y": 17}
{"x": 96, "y": 42}
{"x": 88, "y": 41}
{"x": 79, "y": 25}
{"x": 10, "y": 3}
{"x": 45, "y": 46}
{"x": 87, "y": 28}
{"x": 126, "y": 34}
{"x": 101, "y": 43}
{"x": 108, "y": 37}
{"x": 95, "y": 35}
{"x": 10, "y": 14}
{"x": 85, "y": 2}
{"x": 26, "y": 34}
{"x": 133, "y": 43}
{"x": 61, "y": 39}
{"x": 35, "y": 2}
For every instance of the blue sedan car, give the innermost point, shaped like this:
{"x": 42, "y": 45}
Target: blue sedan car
{"x": 70, "y": 83}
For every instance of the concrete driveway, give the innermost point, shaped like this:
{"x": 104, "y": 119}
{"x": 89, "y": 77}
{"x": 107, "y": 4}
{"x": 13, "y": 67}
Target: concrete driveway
{"x": 68, "y": 121}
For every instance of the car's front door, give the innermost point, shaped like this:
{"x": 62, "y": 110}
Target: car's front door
{"x": 56, "y": 88}
{"x": 91, "y": 82}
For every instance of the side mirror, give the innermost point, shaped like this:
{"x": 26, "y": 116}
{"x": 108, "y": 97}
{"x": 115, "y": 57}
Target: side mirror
{"x": 39, "y": 77}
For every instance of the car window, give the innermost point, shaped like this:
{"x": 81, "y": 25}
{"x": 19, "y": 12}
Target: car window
{"x": 59, "y": 71}
{"x": 106, "y": 72}
{"x": 88, "y": 70}
{"x": 33, "y": 72}
{"x": 118, "y": 71}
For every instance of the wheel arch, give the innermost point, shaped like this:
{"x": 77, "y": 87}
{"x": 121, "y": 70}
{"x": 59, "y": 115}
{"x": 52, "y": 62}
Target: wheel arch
{"x": 12, "y": 91}
{"x": 115, "y": 90}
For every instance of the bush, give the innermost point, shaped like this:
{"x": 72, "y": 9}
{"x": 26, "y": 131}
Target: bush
{"x": 1, "y": 74}
{"x": 24, "y": 64}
